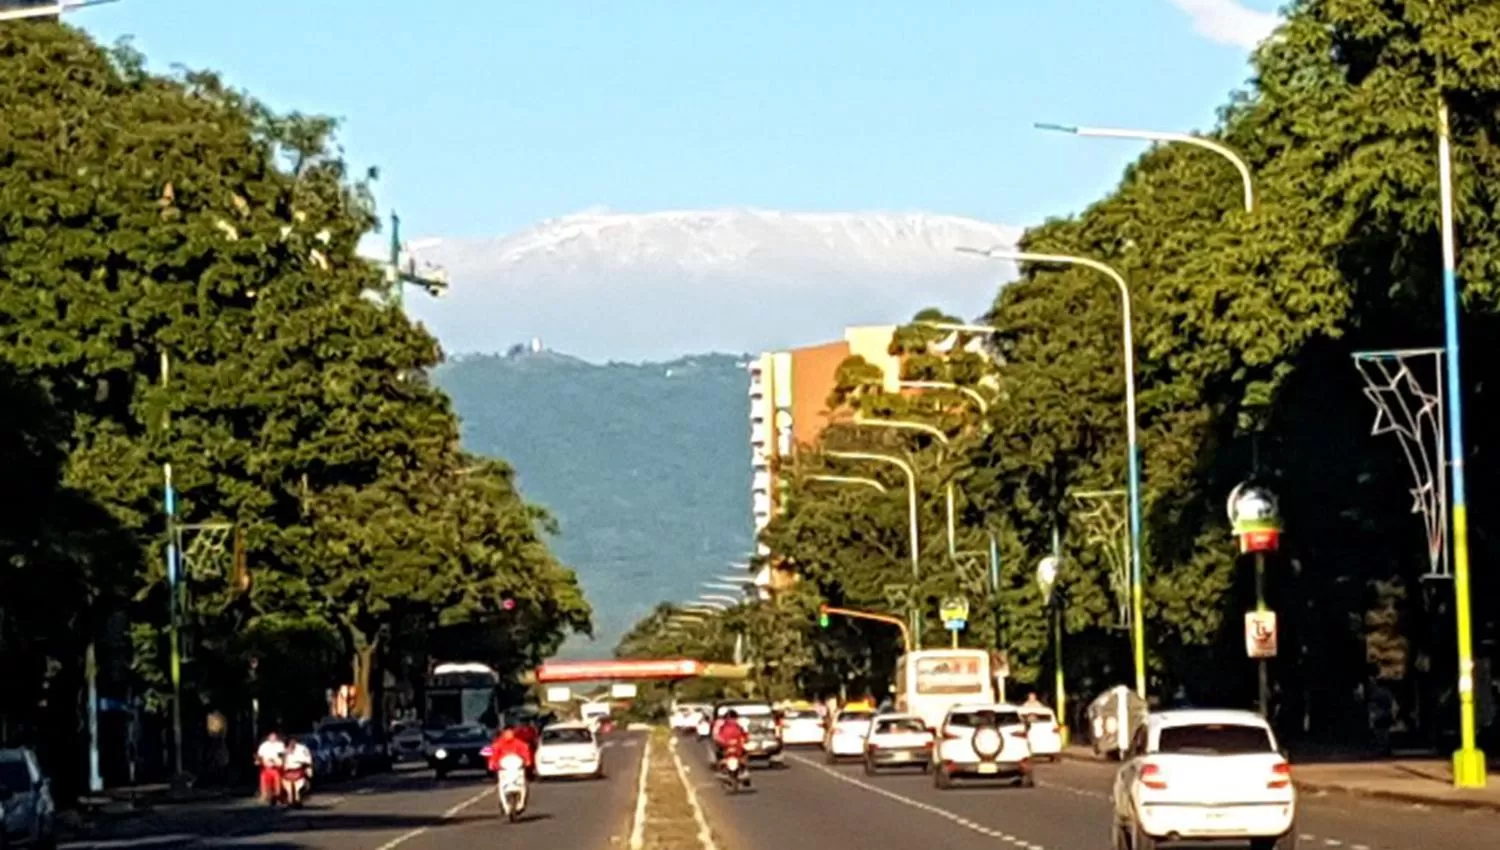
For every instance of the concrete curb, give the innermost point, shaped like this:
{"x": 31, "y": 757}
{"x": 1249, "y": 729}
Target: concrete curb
{"x": 1317, "y": 787}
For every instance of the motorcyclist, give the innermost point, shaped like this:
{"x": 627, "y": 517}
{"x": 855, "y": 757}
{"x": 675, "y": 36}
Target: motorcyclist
{"x": 730, "y": 737}
{"x": 509, "y": 744}
{"x": 269, "y": 757}
{"x": 298, "y": 757}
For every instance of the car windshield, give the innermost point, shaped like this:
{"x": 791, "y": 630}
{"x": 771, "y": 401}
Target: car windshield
{"x": 460, "y": 734}
{"x": 984, "y": 717}
{"x": 801, "y": 714}
{"x": 900, "y": 725}
{"x": 744, "y": 711}
{"x": 1215, "y": 739}
{"x": 14, "y": 776}
{"x": 566, "y": 736}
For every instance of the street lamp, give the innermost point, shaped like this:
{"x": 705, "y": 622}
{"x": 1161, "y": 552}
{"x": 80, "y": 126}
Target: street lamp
{"x": 1046, "y": 578}
{"x": 1133, "y": 448}
{"x": 936, "y": 434}
{"x": 911, "y": 509}
{"x": 850, "y": 479}
{"x": 1162, "y": 136}
{"x": 970, "y": 392}
{"x": 51, "y": 10}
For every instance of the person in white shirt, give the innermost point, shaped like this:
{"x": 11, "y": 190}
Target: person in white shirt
{"x": 297, "y": 755}
{"x": 268, "y": 757}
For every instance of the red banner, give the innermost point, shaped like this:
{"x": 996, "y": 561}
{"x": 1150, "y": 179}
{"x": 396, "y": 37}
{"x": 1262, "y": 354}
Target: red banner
{"x": 598, "y": 671}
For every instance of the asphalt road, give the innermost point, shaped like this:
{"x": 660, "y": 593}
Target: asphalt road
{"x": 407, "y": 809}
{"x": 814, "y": 806}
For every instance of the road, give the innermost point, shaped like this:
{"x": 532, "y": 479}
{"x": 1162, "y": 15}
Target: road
{"x": 407, "y": 809}
{"x": 813, "y": 806}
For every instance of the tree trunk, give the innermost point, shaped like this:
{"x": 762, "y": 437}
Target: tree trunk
{"x": 365, "y": 647}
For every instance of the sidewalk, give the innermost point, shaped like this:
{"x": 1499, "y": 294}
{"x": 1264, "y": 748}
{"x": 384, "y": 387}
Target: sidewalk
{"x": 1419, "y": 781}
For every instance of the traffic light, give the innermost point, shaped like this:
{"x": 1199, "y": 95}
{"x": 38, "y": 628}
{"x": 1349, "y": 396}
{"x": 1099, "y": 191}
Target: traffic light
{"x": 823, "y": 616}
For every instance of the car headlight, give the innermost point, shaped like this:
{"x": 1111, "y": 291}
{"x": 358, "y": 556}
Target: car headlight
{"x": 441, "y": 753}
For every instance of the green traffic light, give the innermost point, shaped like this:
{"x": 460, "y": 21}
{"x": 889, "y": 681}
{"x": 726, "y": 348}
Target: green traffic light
{"x": 822, "y": 619}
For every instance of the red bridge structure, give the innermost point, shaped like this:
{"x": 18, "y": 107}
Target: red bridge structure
{"x": 670, "y": 669}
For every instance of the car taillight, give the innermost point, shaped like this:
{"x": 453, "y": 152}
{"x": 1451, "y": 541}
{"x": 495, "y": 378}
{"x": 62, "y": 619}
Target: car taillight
{"x": 1281, "y": 776}
{"x": 872, "y": 745}
{"x": 1153, "y": 777}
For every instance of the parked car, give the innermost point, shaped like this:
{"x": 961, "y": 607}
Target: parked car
{"x": 459, "y": 748}
{"x": 984, "y": 741}
{"x": 898, "y": 740}
{"x": 407, "y": 741}
{"x": 28, "y": 816}
{"x": 568, "y": 750}
{"x": 369, "y": 751}
{"x": 1200, "y": 774}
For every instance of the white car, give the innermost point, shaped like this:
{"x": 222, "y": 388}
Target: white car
{"x": 1199, "y": 775}
{"x": 684, "y": 717}
{"x": 985, "y": 741}
{"x": 1042, "y": 732}
{"x": 898, "y": 740}
{"x": 801, "y": 727}
{"x": 568, "y": 749}
{"x": 846, "y": 734}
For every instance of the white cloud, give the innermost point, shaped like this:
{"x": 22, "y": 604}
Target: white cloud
{"x": 1229, "y": 21}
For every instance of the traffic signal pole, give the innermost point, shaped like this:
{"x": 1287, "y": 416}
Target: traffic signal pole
{"x": 825, "y": 610}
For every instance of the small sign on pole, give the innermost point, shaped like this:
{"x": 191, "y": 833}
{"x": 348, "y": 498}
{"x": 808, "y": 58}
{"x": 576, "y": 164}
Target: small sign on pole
{"x": 1260, "y": 634}
{"x": 559, "y": 695}
{"x": 954, "y": 612}
{"x": 622, "y": 690}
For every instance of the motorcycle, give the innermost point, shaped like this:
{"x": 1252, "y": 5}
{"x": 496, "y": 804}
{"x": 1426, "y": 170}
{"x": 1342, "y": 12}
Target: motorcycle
{"x": 293, "y": 786}
{"x": 511, "y": 778}
{"x": 734, "y": 773}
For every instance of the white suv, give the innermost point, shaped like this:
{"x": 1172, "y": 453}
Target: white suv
{"x": 1200, "y": 775}
{"x": 986, "y": 741}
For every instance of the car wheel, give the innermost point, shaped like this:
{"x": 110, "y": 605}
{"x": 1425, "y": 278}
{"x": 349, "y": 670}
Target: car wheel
{"x": 941, "y": 779}
{"x": 1139, "y": 840}
{"x": 440, "y": 774}
{"x": 1285, "y": 842}
{"x": 1026, "y": 781}
{"x": 870, "y": 769}
{"x": 1117, "y": 839}
{"x": 831, "y": 758}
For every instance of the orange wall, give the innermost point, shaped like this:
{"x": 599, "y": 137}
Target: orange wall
{"x": 813, "y": 377}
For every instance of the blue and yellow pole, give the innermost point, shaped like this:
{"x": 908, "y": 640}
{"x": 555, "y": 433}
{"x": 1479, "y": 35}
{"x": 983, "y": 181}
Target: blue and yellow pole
{"x": 1468, "y": 762}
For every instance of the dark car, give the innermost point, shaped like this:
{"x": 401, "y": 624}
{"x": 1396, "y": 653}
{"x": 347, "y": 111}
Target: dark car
{"x": 459, "y": 748}
{"x": 27, "y": 813}
{"x": 763, "y": 725}
{"x": 369, "y": 750}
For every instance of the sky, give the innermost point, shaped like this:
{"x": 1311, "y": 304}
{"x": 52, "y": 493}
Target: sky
{"x": 487, "y": 117}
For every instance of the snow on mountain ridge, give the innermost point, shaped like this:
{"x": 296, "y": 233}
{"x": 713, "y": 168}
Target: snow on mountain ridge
{"x": 717, "y": 237}
{"x": 653, "y": 286}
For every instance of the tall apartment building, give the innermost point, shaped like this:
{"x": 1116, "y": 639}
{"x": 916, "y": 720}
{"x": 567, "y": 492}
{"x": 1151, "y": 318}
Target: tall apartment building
{"x": 789, "y": 402}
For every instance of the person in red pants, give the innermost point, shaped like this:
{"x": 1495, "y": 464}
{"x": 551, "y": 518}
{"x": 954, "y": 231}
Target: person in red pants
{"x": 269, "y": 757}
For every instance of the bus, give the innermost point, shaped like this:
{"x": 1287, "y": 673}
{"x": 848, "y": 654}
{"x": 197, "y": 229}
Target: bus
{"x": 930, "y": 681}
{"x": 462, "y": 694}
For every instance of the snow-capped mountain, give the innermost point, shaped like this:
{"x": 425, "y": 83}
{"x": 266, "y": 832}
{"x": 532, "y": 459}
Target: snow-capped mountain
{"x": 654, "y": 286}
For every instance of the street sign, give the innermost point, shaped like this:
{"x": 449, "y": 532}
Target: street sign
{"x": 623, "y": 690}
{"x": 954, "y": 612}
{"x": 559, "y": 696}
{"x": 1260, "y": 634}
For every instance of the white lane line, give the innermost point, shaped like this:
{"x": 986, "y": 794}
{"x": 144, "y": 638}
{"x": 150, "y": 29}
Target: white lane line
{"x": 705, "y": 835}
{"x": 122, "y": 843}
{"x": 917, "y": 804}
{"x": 638, "y": 829}
{"x": 452, "y": 810}
{"x": 1069, "y": 789}
{"x": 360, "y": 792}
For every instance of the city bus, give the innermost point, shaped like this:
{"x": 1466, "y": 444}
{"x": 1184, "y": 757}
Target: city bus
{"x": 462, "y": 694}
{"x": 930, "y": 681}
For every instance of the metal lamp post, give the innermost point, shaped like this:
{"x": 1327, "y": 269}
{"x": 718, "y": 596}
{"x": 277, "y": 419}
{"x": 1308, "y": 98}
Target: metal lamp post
{"x": 936, "y": 434}
{"x": 911, "y": 508}
{"x": 1046, "y": 578}
{"x": 1133, "y": 444}
{"x": 1165, "y": 136}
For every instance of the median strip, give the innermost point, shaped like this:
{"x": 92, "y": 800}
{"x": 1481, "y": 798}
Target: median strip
{"x": 671, "y": 817}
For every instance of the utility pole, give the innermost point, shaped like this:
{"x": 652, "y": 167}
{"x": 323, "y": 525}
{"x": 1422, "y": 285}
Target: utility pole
{"x": 398, "y": 278}
{"x": 174, "y": 637}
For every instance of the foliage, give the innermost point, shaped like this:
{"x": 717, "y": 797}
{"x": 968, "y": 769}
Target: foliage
{"x": 181, "y": 282}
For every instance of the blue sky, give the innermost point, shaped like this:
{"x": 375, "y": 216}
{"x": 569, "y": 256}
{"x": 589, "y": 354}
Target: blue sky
{"x": 485, "y": 117}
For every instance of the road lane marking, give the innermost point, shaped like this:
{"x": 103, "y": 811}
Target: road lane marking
{"x": 122, "y": 843}
{"x": 452, "y": 810}
{"x": 705, "y": 835}
{"x": 638, "y": 829}
{"x": 926, "y": 807}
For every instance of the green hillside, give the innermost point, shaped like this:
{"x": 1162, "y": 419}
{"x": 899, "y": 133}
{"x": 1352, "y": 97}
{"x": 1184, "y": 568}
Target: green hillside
{"x": 645, "y": 466}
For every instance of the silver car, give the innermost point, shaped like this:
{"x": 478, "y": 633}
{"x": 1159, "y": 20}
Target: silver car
{"x": 30, "y": 817}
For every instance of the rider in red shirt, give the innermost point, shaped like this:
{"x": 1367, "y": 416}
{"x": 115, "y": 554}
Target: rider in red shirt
{"x": 731, "y": 736}
{"x": 509, "y": 743}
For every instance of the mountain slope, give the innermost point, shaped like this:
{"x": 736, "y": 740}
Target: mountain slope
{"x": 645, "y": 466}
{"x": 610, "y": 286}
